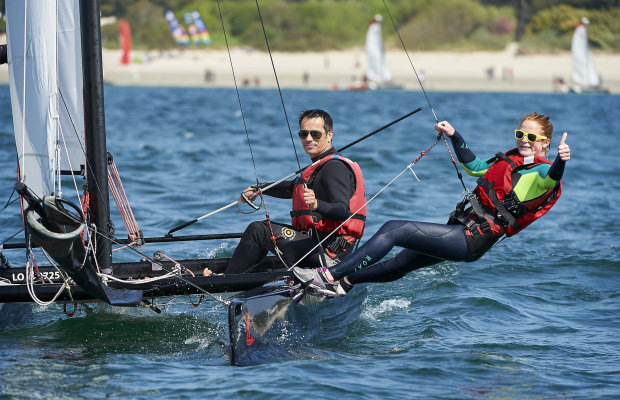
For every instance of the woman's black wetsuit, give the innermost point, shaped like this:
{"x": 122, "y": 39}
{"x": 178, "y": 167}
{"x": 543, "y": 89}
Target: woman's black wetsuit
{"x": 427, "y": 243}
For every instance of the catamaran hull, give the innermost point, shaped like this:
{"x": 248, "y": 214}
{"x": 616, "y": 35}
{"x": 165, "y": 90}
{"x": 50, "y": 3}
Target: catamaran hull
{"x": 14, "y": 288}
{"x": 275, "y": 321}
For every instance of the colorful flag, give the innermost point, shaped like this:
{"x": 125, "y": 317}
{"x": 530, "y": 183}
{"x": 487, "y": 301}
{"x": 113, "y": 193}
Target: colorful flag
{"x": 205, "y": 38}
{"x": 178, "y": 32}
{"x": 125, "y": 35}
{"x": 191, "y": 28}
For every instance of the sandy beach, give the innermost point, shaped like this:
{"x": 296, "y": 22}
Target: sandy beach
{"x": 504, "y": 71}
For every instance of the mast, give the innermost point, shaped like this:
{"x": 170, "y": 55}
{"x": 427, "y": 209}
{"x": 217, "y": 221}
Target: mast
{"x": 96, "y": 149}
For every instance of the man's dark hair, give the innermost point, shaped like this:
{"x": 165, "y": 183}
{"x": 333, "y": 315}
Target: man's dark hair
{"x": 328, "y": 124}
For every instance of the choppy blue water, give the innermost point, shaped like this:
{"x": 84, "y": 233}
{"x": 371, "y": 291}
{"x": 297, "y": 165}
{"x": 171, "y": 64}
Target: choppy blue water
{"x": 537, "y": 317}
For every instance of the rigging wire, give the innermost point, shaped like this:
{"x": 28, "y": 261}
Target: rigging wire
{"x": 288, "y": 124}
{"x": 408, "y": 167}
{"x": 453, "y": 160}
{"x": 315, "y": 230}
{"x": 410, "y": 61}
{"x": 88, "y": 165}
{"x": 174, "y": 272}
{"x": 9, "y": 201}
{"x": 245, "y": 127}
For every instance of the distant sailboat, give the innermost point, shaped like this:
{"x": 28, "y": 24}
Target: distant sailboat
{"x": 378, "y": 75}
{"x": 585, "y": 78}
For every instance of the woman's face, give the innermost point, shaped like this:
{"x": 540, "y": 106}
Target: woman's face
{"x": 526, "y": 148}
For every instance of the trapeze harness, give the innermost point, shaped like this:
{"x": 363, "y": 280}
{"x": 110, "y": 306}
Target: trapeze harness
{"x": 305, "y": 219}
{"x": 495, "y": 209}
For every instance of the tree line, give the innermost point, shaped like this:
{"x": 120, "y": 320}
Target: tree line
{"x": 315, "y": 25}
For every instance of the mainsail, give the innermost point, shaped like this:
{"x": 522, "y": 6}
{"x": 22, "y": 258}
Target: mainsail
{"x": 47, "y": 94}
{"x": 45, "y": 69}
{"x": 377, "y": 68}
{"x": 584, "y": 72}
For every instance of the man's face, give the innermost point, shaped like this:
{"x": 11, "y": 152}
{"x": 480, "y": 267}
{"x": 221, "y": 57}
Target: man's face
{"x": 315, "y": 147}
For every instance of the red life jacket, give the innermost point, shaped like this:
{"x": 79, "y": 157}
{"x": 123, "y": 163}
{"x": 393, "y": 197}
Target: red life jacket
{"x": 303, "y": 216}
{"x": 495, "y": 192}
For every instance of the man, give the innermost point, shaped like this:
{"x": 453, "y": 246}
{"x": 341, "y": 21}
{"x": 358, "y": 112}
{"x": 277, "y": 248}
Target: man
{"x": 327, "y": 193}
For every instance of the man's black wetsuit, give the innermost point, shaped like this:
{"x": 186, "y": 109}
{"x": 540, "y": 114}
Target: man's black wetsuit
{"x": 333, "y": 186}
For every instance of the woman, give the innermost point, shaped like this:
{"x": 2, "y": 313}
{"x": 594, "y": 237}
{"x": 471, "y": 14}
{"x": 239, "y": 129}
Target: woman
{"x": 514, "y": 190}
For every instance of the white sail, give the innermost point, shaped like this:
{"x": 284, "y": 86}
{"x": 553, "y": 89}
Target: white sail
{"x": 44, "y": 56}
{"x": 584, "y": 73}
{"x": 377, "y": 70}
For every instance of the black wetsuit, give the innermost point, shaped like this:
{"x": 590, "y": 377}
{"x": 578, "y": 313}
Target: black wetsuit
{"x": 333, "y": 185}
{"x": 424, "y": 243}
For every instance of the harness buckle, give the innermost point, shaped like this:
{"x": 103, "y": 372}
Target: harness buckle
{"x": 471, "y": 225}
{"x": 339, "y": 246}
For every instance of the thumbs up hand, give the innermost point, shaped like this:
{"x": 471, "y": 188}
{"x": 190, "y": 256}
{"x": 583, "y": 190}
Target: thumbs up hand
{"x": 563, "y": 149}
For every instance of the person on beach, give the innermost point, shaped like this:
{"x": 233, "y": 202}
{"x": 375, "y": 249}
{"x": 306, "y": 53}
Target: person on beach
{"x": 514, "y": 189}
{"x": 324, "y": 195}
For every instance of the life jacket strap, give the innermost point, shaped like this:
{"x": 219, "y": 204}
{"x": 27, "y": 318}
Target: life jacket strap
{"x": 504, "y": 216}
{"x": 471, "y": 219}
{"x": 298, "y": 213}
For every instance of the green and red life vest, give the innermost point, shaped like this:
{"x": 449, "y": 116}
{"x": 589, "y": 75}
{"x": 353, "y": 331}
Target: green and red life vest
{"x": 495, "y": 192}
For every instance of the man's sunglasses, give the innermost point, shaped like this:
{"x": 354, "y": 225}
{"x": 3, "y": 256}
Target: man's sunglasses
{"x": 531, "y": 137}
{"x": 316, "y": 135}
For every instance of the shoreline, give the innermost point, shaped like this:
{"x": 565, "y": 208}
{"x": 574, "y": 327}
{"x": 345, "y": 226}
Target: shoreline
{"x": 503, "y": 71}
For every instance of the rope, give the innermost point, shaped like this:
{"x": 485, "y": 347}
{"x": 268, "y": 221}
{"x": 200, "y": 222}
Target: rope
{"x": 408, "y": 167}
{"x": 428, "y": 101}
{"x": 122, "y": 202}
{"x": 30, "y": 278}
{"x": 171, "y": 273}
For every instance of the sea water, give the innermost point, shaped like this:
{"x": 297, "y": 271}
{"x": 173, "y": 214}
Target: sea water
{"x": 536, "y": 317}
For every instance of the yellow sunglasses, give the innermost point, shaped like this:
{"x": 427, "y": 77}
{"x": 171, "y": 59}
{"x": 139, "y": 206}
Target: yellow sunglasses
{"x": 531, "y": 137}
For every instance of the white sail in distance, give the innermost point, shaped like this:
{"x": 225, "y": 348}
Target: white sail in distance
{"x": 45, "y": 75}
{"x": 584, "y": 72}
{"x": 377, "y": 70}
